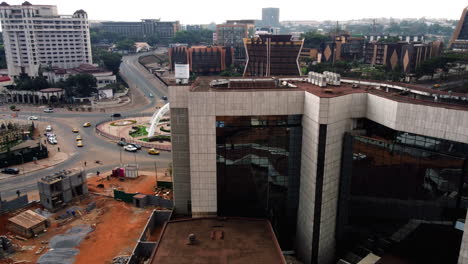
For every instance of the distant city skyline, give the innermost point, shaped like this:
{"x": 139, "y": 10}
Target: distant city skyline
{"x": 205, "y": 12}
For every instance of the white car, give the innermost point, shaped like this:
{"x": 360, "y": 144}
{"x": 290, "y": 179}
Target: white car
{"x": 48, "y": 128}
{"x": 32, "y": 118}
{"x": 130, "y": 148}
{"x": 52, "y": 140}
{"x": 48, "y": 110}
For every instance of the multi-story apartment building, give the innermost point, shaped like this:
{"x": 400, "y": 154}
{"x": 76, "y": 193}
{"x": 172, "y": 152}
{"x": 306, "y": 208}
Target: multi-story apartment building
{"x": 36, "y": 35}
{"x": 459, "y": 40}
{"x": 270, "y": 16}
{"x": 335, "y": 165}
{"x": 272, "y": 55}
{"x": 342, "y": 48}
{"x": 406, "y": 56}
{"x": 165, "y": 30}
{"x": 232, "y": 34}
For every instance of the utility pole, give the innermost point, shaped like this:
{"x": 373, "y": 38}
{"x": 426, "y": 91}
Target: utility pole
{"x": 121, "y": 157}
{"x": 156, "y": 173}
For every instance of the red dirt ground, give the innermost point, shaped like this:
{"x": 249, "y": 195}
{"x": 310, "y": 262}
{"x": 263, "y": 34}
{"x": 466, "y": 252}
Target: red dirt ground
{"x": 143, "y": 184}
{"x": 117, "y": 228}
{"x": 116, "y": 233}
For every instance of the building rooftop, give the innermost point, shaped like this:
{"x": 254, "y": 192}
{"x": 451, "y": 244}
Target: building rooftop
{"x": 218, "y": 240}
{"x": 27, "y": 219}
{"x": 58, "y": 176}
{"x": 83, "y": 68}
{"x": 401, "y": 92}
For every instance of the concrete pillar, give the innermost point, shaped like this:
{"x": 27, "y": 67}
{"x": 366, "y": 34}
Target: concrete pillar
{"x": 16, "y": 98}
{"x": 34, "y": 99}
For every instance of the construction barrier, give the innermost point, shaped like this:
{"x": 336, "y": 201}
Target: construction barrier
{"x": 126, "y": 197}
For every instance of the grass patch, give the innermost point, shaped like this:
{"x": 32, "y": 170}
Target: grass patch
{"x": 141, "y": 131}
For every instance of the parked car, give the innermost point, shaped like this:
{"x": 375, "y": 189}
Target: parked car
{"x": 78, "y": 138}
{"x": 52, "y": 140}
{"x": 130, "y": 148}
{"x": 32, "y": 118}
{"x": 138, "y": 146}
{"x": 122, "y": 143}
{"x": 10, "y": 171}
{"x": 116, "y": 115}
{"x": 153, "y": 151}
{"x": 48, "y": 128}
{"x": 49, "y": 110}
{"x": 87, "y": 124}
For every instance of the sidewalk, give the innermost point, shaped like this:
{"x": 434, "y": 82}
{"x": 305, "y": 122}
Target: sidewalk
{"x": 53, "y": 159}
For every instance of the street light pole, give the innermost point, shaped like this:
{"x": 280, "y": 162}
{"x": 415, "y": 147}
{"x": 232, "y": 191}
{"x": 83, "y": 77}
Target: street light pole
{"x": 156, "y": 173}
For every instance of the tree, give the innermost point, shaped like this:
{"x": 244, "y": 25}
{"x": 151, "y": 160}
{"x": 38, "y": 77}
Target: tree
{"x": 204, "y": 36}
{"x": 80, "y": 85}
{"x": 389, "y": 40}
{"x": 24, "y": 82}
{"x": 313, "y": 39}
{"x": 111, "y": 61}
{"x": 126, "y": 44}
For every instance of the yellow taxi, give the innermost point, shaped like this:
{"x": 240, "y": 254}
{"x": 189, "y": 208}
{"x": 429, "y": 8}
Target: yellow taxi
{"x": 153, "y": 151}
{"x": 79, "y": 143}
{"x": 75, "y": 130}
{"x": 87, "y": 124}
{"x": 78, "y": 138}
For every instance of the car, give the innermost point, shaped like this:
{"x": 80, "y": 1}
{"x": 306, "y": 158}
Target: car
{"x": 130, "y": 148}
{"x": 116, "y": 115}
{"x": 15, "y": 109}
{"x": 78, "y": 138}
{"x": 32, "y": 118}
{"x": 79, "y": 143}
{"x": 122, "y": 143}
{"x": 48, "y": 128}
{"x": 138, "y": 146}
{"x": 49, "y": 110}
{"x": 436, "y": 85}
{"x": 150, "y": 95}
{"x": 52, "y": 140}
{"x": 10, "y": 171}
{"x": 164, "y": 98}
{"x": 87, "y": 124}
{"x": 153, "y": 151}
{"x": 75, "y": 130}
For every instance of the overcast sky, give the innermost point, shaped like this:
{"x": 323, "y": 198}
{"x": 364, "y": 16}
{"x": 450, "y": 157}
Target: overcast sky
{"x": 204, "y": 11}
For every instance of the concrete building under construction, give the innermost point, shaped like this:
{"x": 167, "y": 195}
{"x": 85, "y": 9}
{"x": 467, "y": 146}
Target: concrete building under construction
{"x": 202, "y": 59}
{"x": 62, "y": 187}
{"x": 459, "y": 40}
{"x": 269, "y": 55}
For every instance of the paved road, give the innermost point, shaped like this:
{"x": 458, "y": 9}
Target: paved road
{"x": 95, "y": 146}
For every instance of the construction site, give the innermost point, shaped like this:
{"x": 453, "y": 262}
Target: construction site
{"x": 78, "y": 216}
